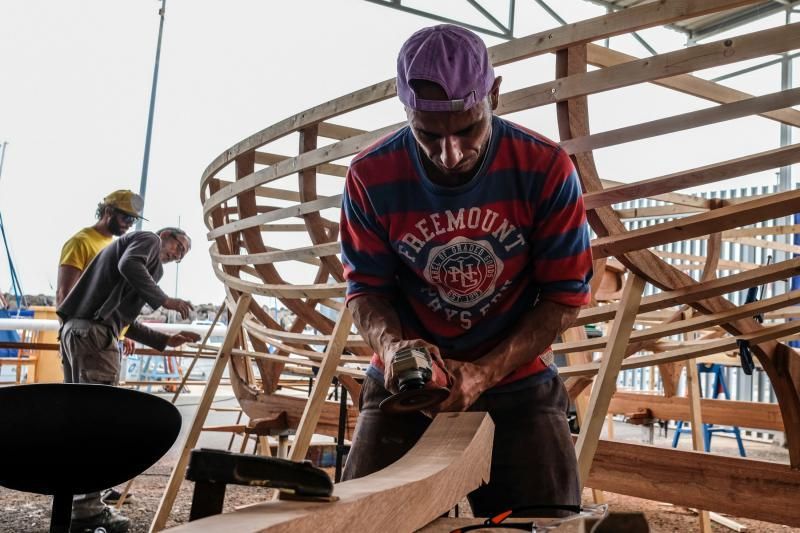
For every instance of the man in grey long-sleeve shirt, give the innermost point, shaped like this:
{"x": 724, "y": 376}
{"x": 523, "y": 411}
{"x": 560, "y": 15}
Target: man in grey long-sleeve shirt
{"x": 109, "y": 296}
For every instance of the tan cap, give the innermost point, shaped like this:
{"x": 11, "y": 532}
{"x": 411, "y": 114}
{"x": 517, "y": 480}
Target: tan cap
{"x": 126, "y": 201}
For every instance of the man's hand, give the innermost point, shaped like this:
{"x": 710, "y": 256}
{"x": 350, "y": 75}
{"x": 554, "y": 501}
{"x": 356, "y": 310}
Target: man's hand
{"x": 176, "y": 304}
{"x": 128, "y": 346}
{"x": 439, "y": 377}
{"x": 469, "y": 382}
{"x": 182, "y": 338}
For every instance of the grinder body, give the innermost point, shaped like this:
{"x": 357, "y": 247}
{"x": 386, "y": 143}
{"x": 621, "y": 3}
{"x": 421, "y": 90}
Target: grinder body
{"x": 413, "y": 368}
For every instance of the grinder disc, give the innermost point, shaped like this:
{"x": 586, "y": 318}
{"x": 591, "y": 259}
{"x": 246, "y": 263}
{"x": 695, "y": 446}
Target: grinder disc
{"x": 413, "y": 400}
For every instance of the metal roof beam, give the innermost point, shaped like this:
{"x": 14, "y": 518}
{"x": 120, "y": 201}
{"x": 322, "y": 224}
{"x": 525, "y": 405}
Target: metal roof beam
{"x": 744, "y": 17}
{"x": 755, "y": 67}
{"x": 551, "y": 12}
{"x": 504, "y": 30}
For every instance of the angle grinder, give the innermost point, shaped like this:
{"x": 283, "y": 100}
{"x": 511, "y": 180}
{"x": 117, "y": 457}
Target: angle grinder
{"x": 413, "y": 368}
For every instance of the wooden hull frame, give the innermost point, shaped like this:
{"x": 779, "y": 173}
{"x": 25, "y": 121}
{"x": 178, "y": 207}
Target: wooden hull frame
{"x": 240, "y": 224}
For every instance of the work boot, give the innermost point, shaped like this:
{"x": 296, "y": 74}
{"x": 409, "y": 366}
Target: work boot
{"x": 108, "y": 521}
{"x": 112, "y": 496}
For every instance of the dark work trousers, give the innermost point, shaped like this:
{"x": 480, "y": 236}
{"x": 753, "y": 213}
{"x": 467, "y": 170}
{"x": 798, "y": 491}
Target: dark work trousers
{"x": 89, "y": 354}
{"x": 533, "y": 458}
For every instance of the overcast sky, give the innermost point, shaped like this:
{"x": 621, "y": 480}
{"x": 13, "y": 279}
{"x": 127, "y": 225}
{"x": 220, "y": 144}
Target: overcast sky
{"x": 75, "y": 83}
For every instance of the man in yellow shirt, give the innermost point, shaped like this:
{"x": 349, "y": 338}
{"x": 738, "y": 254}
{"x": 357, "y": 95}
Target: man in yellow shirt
{"x": 115, "y": 215}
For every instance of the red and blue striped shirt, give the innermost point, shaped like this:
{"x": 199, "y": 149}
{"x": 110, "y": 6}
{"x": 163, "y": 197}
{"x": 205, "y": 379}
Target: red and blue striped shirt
{"x": 463, "y": 264}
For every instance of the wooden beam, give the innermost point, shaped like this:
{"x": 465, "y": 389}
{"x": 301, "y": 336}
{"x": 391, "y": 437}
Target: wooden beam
{"x": 337, "y": 131}
{"x": 594, "y": 29}
{"x": 764, "y": 243}
{"x": 779, "y": 157}
{"x": 755, "y": 415}
{"x": 788, "y": 229}
{"x": 696, "y": 262}
{"x": 179, "y": 471}
{"x": 745, "y": 488}
{"x": 298, "y": 254}
{"x": 780, "y": 362}
{"x": 623, "y": 21}
{"x": 319, "y": 392}
{"x": 740, "y": 48}
{"x": 277, "y": 214}
{"x": 689, "y": 352}
{"x": 697, "y": 291}
{"x": 267, "y": 158}
{"x": 286, "y": 167}
{"x": 605, "y": 384}
{"x": 690, "y": 324}
{"x": 601, "y": 56}
{"x": 722, "y": 52}
{"x": 319, "y": 290}
{"x": 452, "y": 458}
{"x": 696, "y": 418}
{"x": 366, "y": 96}
{"x": 660, "y": 211}
{"x": 772, "y": 206}
{"x": 684, "y": 121}
{"x": 672, "y": 197}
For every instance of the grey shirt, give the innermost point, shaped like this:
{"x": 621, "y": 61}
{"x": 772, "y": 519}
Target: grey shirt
{"x": 116, "y": 285}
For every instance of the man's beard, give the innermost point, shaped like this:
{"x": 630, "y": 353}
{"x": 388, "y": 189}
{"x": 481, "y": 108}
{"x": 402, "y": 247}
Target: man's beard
{"x": 115, "y": 228}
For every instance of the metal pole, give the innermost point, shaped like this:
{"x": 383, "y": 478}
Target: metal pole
{"x": 177, "y": 265}
{"x": 3, "y": 157}
{"x": 785, "y": 182}
{"x": 785, "y": 172}
{"x": 146, "y": 162}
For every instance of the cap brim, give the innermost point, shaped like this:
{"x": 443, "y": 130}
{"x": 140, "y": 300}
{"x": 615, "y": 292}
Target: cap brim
{"x": 131, "y": 214}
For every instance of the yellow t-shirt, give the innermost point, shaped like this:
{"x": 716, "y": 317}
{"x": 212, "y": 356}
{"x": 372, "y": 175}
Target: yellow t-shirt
{"x": 81, "y": 248}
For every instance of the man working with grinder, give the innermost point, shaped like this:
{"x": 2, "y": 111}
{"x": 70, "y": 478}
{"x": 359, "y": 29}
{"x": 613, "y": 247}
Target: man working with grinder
{"x": 466, "y": 234}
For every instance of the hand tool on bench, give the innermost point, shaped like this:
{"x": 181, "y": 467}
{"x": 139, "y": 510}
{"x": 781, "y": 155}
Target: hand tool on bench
{"x": 213, "y": 470}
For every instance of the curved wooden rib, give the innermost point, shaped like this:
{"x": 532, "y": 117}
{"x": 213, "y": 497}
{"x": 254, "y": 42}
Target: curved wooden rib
{"x": 308, "y": 194}
{"x": 257, "y": 404}
{"x": 781, "y": 363}
{"x": 451, "y": 459}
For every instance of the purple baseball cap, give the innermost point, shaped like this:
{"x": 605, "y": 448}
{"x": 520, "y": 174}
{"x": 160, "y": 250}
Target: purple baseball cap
{"x": 452, "y": 57}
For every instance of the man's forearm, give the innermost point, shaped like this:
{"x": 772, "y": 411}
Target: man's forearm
{"x": 530, "y": 337}
{"x": 377, "y": 321}
{"x": 147, "y": 336}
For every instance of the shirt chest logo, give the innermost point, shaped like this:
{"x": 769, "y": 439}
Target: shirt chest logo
{"x": 464, "y": 271}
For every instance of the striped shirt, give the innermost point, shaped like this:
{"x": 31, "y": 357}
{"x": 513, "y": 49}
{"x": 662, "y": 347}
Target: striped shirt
{"x": 463, "y": 264}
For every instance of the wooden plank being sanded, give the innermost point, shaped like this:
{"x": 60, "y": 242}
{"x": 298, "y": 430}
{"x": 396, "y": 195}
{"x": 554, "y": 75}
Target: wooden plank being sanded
{"x": 451, "y": 459}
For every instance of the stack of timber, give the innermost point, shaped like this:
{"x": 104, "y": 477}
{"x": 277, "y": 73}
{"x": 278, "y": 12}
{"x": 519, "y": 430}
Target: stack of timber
{"x": 273, "y": 216}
